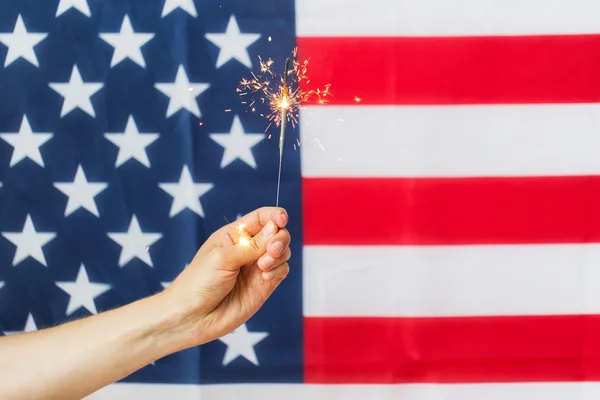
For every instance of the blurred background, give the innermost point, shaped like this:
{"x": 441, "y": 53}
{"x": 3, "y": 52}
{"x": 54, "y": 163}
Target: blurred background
{"x": 443, "y": 194}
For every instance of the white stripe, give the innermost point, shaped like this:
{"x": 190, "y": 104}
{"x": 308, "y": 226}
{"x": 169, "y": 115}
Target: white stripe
{"x": 428, "y": 281}
{"x": 448, "y": 141}
{"x": 525, "y": 391}
{"x": 445, "y": 17}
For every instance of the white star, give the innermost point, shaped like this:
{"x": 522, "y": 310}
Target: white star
{"x": 20, "y": 43}
{"x": 182, "y": 93}
{"x": 77, "y": 93}
{"x": 135, "y": 243}
{"x": 185, "y": 5}
{"x": 26, "y": 143}
{"x": 240, "y": 342}
{"x": 30, "y": 326}
{"x": 186, "y": 193}
{"x": 81, "y": 193}
{"x": 132, "y": 144}
{"x": 127, "y": 44}
{"x": 237, "y": 144}
{"x": 81, "y": 5}
{"x": 233, "y": 44}
{"x": 82, "y": 292}
{"x": 29, "y": 242}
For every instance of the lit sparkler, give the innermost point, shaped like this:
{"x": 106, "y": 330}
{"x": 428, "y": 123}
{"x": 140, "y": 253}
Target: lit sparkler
{"x": 284, "y": 100}
{"x": 284, "y": 106}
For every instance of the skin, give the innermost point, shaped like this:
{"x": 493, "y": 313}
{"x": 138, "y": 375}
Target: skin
{"x": 226, "y": 283}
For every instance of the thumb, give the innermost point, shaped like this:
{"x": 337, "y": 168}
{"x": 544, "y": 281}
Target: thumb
{"x": 249, "y": 249}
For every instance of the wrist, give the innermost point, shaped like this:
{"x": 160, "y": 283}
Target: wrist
{"x": 181, "y": 323}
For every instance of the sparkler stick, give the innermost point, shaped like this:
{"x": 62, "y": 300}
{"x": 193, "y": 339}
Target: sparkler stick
{"x": 284, "y": 106}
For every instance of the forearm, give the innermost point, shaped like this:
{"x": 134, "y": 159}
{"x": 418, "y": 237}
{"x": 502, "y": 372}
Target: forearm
{"x": 75, "y": 359}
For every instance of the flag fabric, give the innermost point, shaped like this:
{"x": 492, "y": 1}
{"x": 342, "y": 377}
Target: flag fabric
{"x": 444, "y": 204}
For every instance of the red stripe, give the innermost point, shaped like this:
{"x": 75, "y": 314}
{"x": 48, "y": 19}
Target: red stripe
{"x": 456, "y": 70}
{"x": 452, "y": 350}
{"x": 451, "y": 211}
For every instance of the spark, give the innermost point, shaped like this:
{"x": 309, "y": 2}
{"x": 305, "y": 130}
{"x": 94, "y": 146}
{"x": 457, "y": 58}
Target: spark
{"x": 318, "y": 143}
{"x": 243, "y": 237}
{"x": 357, "y": 99}
{"x": 283, "y": 92}
{"x": 228, "y": 110}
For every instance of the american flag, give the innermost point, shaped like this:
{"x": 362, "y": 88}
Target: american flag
{"x": 444, "y": 205}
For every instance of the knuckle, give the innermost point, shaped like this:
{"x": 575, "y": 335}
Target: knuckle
{"x": 288, "y": 254}
{"x": 286, "y": 235}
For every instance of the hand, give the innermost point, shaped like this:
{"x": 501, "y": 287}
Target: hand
{"x": 232, "y": 274}
{"x": 229, "y": 279}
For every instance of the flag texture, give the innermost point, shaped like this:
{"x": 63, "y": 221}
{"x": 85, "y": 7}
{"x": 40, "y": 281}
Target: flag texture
{"x": 444, "y": 204}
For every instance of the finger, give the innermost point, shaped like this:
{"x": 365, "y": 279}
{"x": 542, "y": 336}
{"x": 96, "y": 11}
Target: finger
{"x": 249, "y": 249}
{"x": 278, "y": 243}
{"x": 277, "y": 274}
{"x": 255, "y": 221}
{"x": 267, "y": 263}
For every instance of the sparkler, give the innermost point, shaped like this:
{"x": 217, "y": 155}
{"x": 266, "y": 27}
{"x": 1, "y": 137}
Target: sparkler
{"x": 285, "y": 100}
{"x": 284, "y": 107}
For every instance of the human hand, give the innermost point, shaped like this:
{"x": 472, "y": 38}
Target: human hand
{"x": 232, "y": 274}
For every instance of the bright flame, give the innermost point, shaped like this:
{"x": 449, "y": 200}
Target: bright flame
{"x": 243, "y": 237}
{"x": 275, "y": 95}
{"x": 284, "y": 103}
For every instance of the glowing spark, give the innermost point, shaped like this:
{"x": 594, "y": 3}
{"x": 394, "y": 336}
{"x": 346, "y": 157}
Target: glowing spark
{"x": 243, "y": 237}
{"x": 318, "y": 142}
{"x": 228, "y": 110}
{"x": 357, "y": 99}
{"x": 283, "y": 92}
{"x": 269, "y": 38}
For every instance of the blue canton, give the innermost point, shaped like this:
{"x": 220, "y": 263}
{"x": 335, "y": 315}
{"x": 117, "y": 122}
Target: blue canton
{"x": 54, "y": 133}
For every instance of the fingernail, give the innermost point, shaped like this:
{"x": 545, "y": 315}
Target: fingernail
{"x": 277, "y": 247}
{"x": 268, "y": 275}
{"x": 266, "y": 262}
{"x": 269, "y": 229}
{"x": 283, "y": 217}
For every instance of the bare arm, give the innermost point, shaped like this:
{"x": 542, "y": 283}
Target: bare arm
{"x": 75, "y": 359}
{"x": 225, "y": 284}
